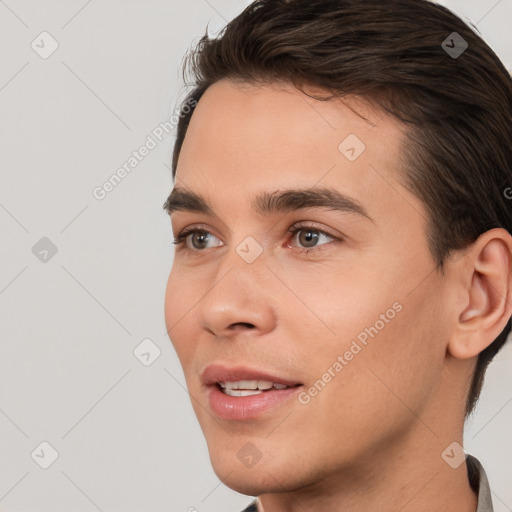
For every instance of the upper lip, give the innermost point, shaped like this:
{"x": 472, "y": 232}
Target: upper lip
{"x": 214, "y": 373}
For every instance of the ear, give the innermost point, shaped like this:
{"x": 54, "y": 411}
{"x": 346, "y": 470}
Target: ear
{"x": 487, "y": 281}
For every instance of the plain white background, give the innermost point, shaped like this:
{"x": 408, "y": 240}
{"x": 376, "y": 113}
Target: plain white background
{"x": 125, "y": 433}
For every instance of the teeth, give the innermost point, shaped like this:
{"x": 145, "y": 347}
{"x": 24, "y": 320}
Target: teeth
{"x": 242, "y": 384}
{"x": 242, "y": 392}
{"x": 249, "y": 387}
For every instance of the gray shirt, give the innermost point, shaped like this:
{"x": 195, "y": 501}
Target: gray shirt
{"x": 477, "y": 479}
{"x": 480, "y": 484}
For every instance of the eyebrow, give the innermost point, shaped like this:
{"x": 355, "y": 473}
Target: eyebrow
{"x": 279, "y": 201}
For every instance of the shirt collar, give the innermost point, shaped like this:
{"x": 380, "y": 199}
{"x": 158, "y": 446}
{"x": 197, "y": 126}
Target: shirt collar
{"x": 480, "y": 484}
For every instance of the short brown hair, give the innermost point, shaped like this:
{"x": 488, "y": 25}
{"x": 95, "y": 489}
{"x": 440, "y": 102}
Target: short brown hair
{"x": 404, "y": 56}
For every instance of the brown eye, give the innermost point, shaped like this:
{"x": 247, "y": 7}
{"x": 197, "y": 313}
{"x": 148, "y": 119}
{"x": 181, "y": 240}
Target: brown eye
{"x": 308, "y": 237}
{"x": 199, "y": 239}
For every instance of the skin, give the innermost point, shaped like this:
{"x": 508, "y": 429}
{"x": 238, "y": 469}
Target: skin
{"x": 372, "y": 439}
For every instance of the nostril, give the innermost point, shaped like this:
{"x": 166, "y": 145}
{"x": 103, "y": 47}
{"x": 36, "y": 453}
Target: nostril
{"x": 241, "y": 324}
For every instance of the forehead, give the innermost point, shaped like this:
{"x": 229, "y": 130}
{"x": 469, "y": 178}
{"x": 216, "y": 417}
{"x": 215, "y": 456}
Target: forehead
{"x": 246, "y": 139}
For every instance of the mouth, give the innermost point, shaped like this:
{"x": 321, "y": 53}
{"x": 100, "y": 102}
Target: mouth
{"x": 250, "y": 387}
{"x": 243, "y": 393}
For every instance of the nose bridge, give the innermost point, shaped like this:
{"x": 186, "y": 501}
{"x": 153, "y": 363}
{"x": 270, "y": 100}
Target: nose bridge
{"x": 245, "y": 261}
{"x": 237, "y": 294}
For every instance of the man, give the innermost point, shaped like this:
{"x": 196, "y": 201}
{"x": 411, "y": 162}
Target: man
{"x": 343, "y": 267}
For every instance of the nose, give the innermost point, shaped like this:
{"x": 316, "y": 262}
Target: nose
{"x": 238, "y": 302}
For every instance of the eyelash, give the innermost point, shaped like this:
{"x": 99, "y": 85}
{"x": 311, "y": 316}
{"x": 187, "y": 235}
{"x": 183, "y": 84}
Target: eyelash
{"x": 293, "y": 230}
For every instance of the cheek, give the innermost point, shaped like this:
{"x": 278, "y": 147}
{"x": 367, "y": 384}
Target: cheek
{"x": 390, "y": 342}
{"x": 179, "y": 315}
{"x": 332, "y": 304}
{"x": 400, "y": 364}
{"x": 369, "y": 401}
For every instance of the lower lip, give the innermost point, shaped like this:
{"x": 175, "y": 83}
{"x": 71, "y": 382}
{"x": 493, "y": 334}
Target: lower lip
{"x": 247, "y": 407}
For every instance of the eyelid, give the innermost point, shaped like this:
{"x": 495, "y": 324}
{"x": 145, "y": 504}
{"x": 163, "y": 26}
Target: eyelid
{"x": 305, "y": 224}
{"x": 316, "y": 249}
{"x": 181, "y": 237}
{"x": 296, "y": 227}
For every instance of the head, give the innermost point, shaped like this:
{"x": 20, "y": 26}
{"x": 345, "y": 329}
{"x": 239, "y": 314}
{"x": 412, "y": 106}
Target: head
{"x": 393, "y": 156}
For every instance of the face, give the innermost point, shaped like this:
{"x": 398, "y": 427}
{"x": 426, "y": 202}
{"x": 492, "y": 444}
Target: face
{"x": 304, "y": 264}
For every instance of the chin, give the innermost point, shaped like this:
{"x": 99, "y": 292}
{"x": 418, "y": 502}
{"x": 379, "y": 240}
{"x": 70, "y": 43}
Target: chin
{"x": 246, "y": 485}
{"x": 267, "y": 475}
{"x": 253, "y": 481}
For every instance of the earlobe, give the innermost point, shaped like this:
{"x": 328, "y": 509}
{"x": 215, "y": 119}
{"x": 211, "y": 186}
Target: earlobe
{"x": 489, "y": 295}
